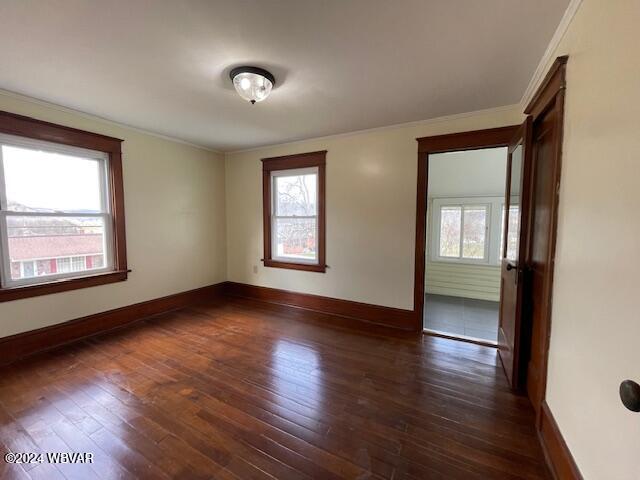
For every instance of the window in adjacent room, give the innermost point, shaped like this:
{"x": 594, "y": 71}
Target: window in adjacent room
{"x": 294, "y": 213}
{"x": 512, "y": 240}
{"x": 462, "y": 231}
{"x": 58, "y": 201}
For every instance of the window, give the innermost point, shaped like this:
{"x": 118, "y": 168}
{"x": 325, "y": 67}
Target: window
{"x": 463, "y": 232}
{"x": 61, "y": 212}
{"x": 294, "y": 214}
{"x": 512, "y": 240}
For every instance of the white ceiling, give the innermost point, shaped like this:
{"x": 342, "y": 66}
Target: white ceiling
{"x": 340, "y": 65}
{"x": 468, "y": 173}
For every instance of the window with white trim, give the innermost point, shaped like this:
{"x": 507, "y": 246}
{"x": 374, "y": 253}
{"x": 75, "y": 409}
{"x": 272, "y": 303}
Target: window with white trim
{"x": 463, "y": 232}
{"x": 466, "y": 230}
{"x": 54, "y": 211}
{"x": 294, "y": 228}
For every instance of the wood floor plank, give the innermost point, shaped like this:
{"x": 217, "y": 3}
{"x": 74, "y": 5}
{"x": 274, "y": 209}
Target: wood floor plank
{"x": 246, "y": 390}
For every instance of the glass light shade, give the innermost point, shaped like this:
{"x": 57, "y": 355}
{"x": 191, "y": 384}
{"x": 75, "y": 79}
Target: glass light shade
{"x": 253, "y": 87}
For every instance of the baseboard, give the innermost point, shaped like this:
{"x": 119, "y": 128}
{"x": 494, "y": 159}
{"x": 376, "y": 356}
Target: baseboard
{"x": 27, "y": 343}
{"x": 363, "y": 312}
{"x": 556, "y": 451}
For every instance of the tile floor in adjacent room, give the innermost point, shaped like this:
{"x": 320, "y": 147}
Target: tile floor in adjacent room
{"x": 462, "y": 316}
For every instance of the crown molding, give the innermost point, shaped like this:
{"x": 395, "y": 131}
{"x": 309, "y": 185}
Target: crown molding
{"x": 96, "y": 118}
{"x": 548, "y": 56}
{"x": 396, "y": 126}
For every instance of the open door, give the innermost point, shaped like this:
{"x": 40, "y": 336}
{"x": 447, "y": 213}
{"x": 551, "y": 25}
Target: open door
{"x": 513, "y": 253}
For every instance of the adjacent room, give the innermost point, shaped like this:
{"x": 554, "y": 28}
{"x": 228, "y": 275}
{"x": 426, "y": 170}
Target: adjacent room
{"x": 465, "y": 205}
{"x": 348, "y": 239}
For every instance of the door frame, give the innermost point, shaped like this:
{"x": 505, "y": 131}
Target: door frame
{"x": 549, "y": 95}
{"x": 452, "y": 142}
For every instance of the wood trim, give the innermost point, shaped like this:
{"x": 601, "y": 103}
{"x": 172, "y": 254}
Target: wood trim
{"x": 298, "y": 160}
{"x": 295, "y": 266}
{"x": 301, "y": 160}
{"x": 549, "y": 96}
{"x": 13, "y": 124}
{"x": 116, "y": 183}
{"x": 363, "y": 312}
{"x": 553, "y": 82}
{"x": 487, "y": 138}
{"x": 556, "y": 452}
{"x": 492, "y": 137}
{"x": 27, "y": 343}
{"x": 63, "y": 285}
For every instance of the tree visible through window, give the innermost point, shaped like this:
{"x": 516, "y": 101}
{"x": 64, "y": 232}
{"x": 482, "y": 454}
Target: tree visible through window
{"x": 514, "y": 230}
{"x": 295, "y": 215}
{"x": 463, "y": 231}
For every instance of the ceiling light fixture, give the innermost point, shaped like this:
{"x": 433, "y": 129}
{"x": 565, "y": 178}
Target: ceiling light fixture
{"x": 252, "y": 83}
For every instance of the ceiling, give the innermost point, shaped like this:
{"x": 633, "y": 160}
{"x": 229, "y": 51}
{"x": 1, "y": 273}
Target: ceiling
{"x": 340, "y": 65}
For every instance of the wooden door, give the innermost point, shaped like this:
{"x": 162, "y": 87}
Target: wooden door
{"x": 514, "y": 251}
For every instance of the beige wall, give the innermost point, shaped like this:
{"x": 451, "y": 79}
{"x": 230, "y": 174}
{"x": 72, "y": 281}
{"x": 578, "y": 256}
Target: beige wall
{"x": 596, "y": 320}
{"x": 371, "y": 205}
{"x": 175, "y": 214}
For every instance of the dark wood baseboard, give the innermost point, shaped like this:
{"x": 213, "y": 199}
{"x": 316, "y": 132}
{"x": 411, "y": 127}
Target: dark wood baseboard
{"x": 556, "y": 451}
{"x": 364, "y": 312}
{"x": 27, "y": 343}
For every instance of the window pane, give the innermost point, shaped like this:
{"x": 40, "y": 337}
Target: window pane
{"x": 27, "y": 269}
{"x": 450, "y": 231}
{"x": 296, "y": 238}
{"x": 513, "y": 232}
{"x": 39, "y": 181}
{"x": 475, "y": 230}
{"x": 54, "y": 245}
{"x": 296, "y": 195}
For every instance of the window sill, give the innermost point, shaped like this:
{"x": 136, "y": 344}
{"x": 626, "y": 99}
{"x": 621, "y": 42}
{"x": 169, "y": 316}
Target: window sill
{"x": 295, "y": 266}
{"x": 63, "y": 285}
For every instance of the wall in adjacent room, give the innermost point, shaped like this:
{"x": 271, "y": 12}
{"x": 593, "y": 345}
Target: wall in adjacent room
{"x": 595, "y": 320}
{"x": 175, "y": 222}
{"x": 371, "y": 210}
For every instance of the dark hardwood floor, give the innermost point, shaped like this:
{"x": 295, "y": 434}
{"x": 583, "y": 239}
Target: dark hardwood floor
{"x": 249, "y": 390}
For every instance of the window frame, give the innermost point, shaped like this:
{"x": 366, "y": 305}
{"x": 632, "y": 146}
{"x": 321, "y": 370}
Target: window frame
{"x": 63, "y": 140}
{"x": 281, "y": 165}
{"x": 492, "y": 231}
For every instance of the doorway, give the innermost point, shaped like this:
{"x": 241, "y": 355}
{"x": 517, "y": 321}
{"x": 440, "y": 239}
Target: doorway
{"x": 529, "y": 230}
{"x": 465, "y": 216}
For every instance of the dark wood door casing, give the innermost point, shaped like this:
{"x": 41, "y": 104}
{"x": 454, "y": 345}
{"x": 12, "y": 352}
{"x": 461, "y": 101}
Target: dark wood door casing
{"x": 547, "y": 112}
{"x": 474, "y": 140}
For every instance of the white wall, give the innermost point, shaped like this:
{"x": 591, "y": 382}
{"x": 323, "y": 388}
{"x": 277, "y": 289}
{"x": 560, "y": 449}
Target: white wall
{"x": 175, "y": 223}
{"x": 595, "y": 329}
{"x": 371, "y": 205}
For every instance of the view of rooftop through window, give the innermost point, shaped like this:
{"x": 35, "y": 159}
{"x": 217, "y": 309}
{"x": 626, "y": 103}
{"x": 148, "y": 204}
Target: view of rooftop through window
{"x": 54, "y": 213}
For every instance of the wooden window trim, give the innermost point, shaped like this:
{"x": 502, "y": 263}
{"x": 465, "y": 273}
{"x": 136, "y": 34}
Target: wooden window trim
{"x": 13, "y": 124}
{"x": 288, "y": 162}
